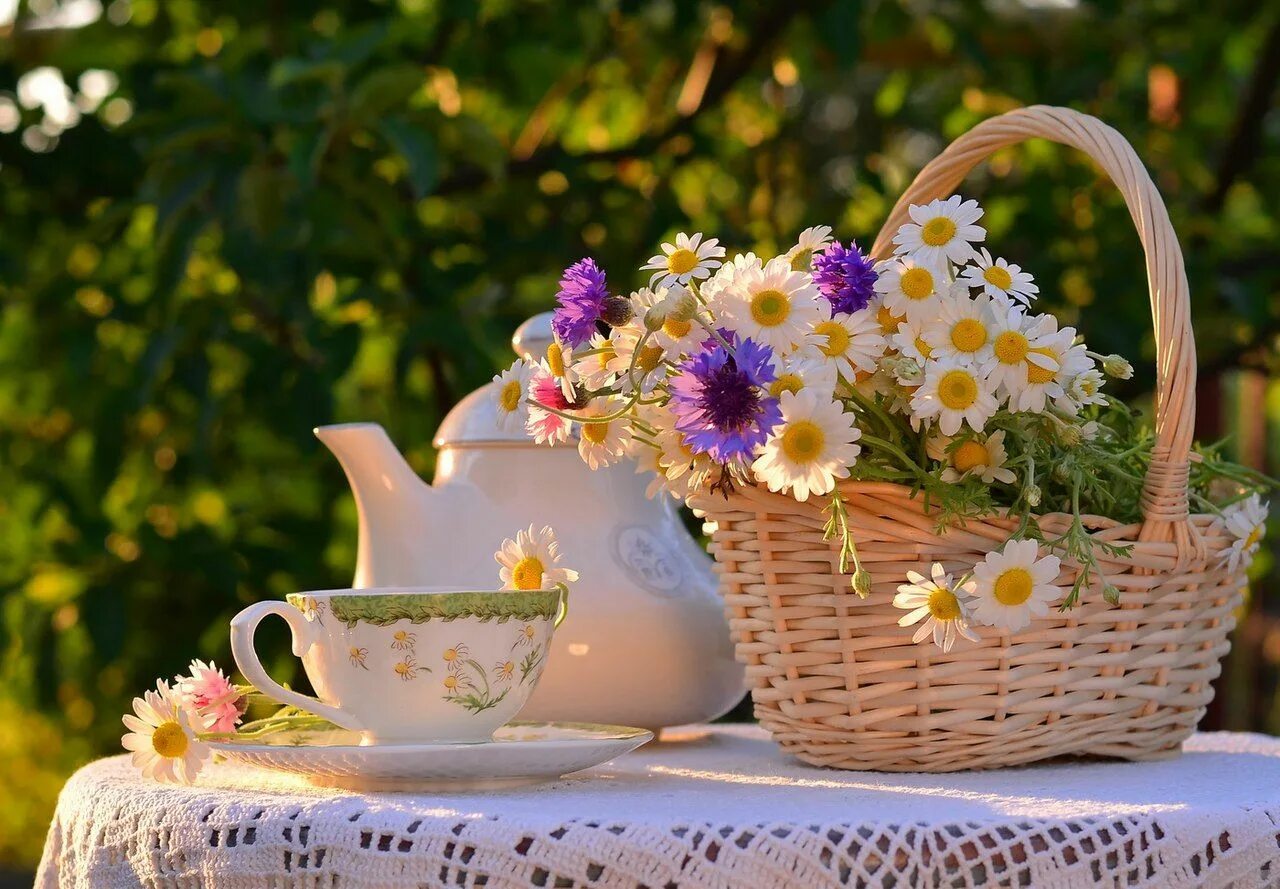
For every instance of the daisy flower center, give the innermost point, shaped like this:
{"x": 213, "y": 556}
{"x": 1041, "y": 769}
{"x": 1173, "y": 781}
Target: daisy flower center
{"x": 527, "y": 574}
{"x": 681, "y": 261}
{"x": 887, "y": 320}
{"x": 969, "y": 335}
{"x": 649, "y": 358}
{"x": 555, "y": 359}
{"x": 970, "y": 454}
{"x": 1035, "y": 373}
{"x": 1089, "y": 387}
{"x": 924, "y": 348}
{"x": 803, "y": 441}
{"x": 605, "y": 355}
{"x": 787, "y": 382}
{"x": 800, "y": 262}
{"x": 769, "y": 308}
{"x": 450, "y": 654}
{"x": 1254, "y": 536}
{"x": 510, "y": 396}
{"x": 958, "y": 390}
{"x": 676, "y": 329}
{"x": 451, "y": 682}
{"x": 837, "y": 338}
{"x": 169, "y": 740}
{"x": 916, "y": 283}
{"x": 595, "y": 433}
{"x": 937, "y": 231}
{"x": 1011, "y": 347}
{"x": 944, "y": 605}
{"x": 403, "y": 669}
{"x": 998, "y": 277}
{"x": 1013, "y": 587}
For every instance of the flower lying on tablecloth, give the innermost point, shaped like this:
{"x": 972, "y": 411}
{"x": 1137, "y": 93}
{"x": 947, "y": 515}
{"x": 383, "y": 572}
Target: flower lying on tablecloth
{"x": 927, "y": 368}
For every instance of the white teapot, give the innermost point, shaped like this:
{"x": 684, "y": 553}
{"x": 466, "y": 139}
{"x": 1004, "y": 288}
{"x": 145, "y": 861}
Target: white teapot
{"x": 645, "y": 642}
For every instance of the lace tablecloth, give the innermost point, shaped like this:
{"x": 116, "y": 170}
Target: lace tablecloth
{"x": 717, "y": 807}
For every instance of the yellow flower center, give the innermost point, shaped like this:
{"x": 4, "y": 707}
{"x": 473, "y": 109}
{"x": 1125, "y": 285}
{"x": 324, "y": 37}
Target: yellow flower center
{"x": 451, "y": 682}
{"x": 605, "y": 355}
{"x": 529, "y": 631}
{"x": 676, "y": 328}
{"x": 998, "y": 277}
{"x": 1013, "y": 587}
{"x": 1037, "y": 374}
{"x": 970, "y": 454}
{"x": 800, "y": 262}
{"x": 803, "y": 441}
{"x": 1011, "y": 347}
{"x": 944, "y": 605}
{"x": 400, "y": 636}
{"x": 169, "y": 740}
{"x": 527, "y": 574}
{"x": 887, "y": 320}
{"x": 925, "y": 350}
{"x": 450, "y": 654}
{"x": 1254, "y": 536}
{"x": 355, "y": 652}
{"x": 958, "y": 390}
{"x": 555, "y": 359}
{"x": 510, "y": 396}
{"x": 508, "y": 668}
{"x": 916, "y": 283}
{"x": 838, "y": 338}
{"x": 595, "y": 433}
{"x": 787, "y": 382}
{"x": 937, "y": 231}
{"x": 682, "y": 261}
{"x": 1089, "y": 387}
{"x": 649, "y": 358}
{"x": 968, "y": 335}
{"x": 770, "y": 308}
{"x": 403, "y": 669}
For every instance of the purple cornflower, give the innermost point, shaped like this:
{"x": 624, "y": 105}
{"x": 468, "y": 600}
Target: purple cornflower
{"x": 720, "y": 403}
{"x": 845, "y": 276}
{"x": 582, "y": 296}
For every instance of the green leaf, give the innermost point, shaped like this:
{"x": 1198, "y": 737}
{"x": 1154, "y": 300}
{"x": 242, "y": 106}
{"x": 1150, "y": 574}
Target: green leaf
{"x": 417, "y": 148}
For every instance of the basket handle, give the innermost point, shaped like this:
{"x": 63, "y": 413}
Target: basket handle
{"x": 1164, "y": 493}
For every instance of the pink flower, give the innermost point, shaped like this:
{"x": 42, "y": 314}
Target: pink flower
{"x": 210, "y": 694}
{"x": 544, "y": 426}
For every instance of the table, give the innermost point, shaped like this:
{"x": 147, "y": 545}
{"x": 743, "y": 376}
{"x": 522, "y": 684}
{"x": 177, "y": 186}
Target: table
{"x": 713, "y": 807}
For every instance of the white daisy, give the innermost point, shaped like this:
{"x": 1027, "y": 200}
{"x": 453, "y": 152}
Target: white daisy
{"x": 977, "y": 455}
{"x": 851, "y": 343}
{"x": 161, "y": 737}
{"x": 509, "y": 395}
{"x": 910, "y": 341}
{"x": 595, "y": 370}
{"x": 1016, "y": 345}
{"x": 999, "y": 279}
{"x": 801, "y": 371}
{"x": 559, "y": 361}
{"x": 602, "y": 443}
{"x": 812, "y": 240}
{"x": 938, "y": 602}
{"x": 1246, "y": 521}
{"x": 685, "y": 472}
{"x": 1081, "y": 389}
{"x": 713, "y": 291}
{"x": 1013, "y": 585}
{"x": 677, "y": 336}
{"x": 772, "y": 305}
{"x": 910, "y": 288}
{"x": 650, "y": 364}
{"x": 886, "y": 318}
{"x": 531, "y": 561}
{"x": 962, "y": 329}
{"x": 689, "y": 258}
{"x": 1044, "y": 383}
{"x": 941, "y": 230}
{"x": 953, "y": 392}
{"x": 812, "y": 447}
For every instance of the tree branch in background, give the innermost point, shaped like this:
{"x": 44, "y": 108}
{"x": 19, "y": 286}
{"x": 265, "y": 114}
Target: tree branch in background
{"x": 1246, "y": 136}
{"x": 722, "y": 72}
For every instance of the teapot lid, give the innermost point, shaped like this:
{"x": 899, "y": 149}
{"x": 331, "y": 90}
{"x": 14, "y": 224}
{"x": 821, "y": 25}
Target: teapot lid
{"x": 474, "y": 420}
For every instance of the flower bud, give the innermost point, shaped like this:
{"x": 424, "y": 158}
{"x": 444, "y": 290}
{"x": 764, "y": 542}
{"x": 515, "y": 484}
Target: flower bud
{"x": 655, "y": 317}
{"x": 1069, "y": 434}
{"x": 1117, "y": 366}
{"x": 1111, "y": 594}
{"x": 681, "y": 305}
{"x": 862, "y": 582}
{"x": 1032, "y": 494}
{"x": 616, "y": 311}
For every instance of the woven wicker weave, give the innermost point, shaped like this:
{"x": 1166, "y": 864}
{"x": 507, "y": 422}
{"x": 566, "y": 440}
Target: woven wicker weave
{"x": 838, "y": 682}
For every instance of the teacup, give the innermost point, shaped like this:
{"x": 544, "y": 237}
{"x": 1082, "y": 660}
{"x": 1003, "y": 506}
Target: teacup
{"x": 410, "y": 665}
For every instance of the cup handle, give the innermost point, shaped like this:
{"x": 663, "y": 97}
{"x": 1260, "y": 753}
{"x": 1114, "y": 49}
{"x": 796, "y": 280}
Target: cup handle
{"x": 563, "y": 611}
{"x": 243, "y": 627}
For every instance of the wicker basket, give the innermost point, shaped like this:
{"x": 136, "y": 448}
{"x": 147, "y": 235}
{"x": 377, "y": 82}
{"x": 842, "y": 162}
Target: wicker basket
{"x": 836, "y": 680}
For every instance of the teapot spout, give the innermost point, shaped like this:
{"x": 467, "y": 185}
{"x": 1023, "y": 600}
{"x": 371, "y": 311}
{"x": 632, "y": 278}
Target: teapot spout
{"x": 393, "y": 504}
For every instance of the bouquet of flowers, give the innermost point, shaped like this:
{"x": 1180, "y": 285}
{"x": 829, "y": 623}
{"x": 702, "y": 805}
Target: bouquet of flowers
{"x": 929, "y": 369}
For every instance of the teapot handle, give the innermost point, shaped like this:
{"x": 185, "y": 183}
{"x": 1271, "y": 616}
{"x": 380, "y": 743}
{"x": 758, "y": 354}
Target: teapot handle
{"x": 563, "y": 611}
{"x": 243, "y": 627}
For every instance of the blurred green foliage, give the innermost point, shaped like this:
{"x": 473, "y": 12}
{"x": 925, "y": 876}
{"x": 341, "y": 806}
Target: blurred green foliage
{"x": 272, "y": 215}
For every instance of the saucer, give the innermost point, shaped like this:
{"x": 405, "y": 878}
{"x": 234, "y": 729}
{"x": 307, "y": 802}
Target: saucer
{"x": 520, "y": 753}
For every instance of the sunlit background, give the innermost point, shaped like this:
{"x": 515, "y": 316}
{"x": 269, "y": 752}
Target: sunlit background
{"x": 223, "y": 223}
